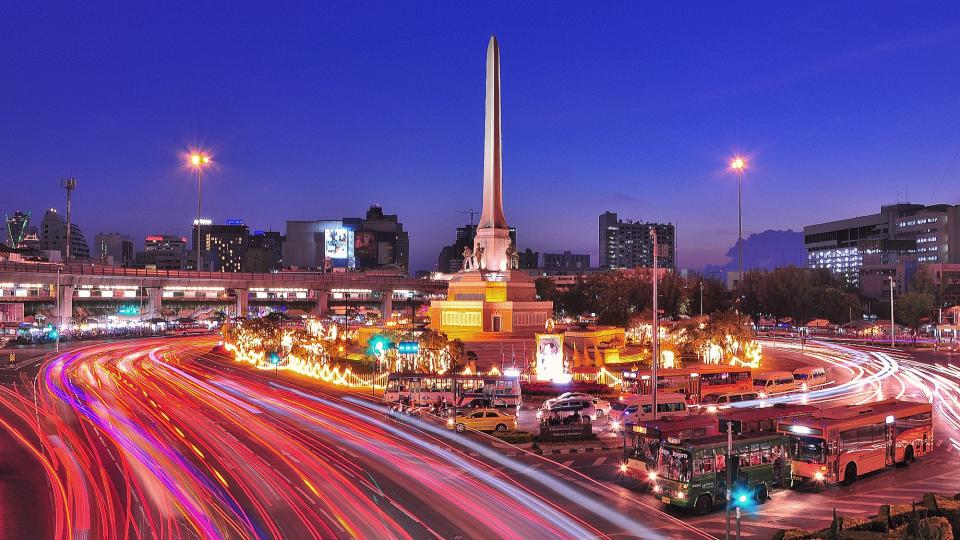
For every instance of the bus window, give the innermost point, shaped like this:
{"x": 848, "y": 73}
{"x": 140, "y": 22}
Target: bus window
{"x": 809, "y": 449}
{"x": 674, "y": 465}
{"x": 707, "y": 465}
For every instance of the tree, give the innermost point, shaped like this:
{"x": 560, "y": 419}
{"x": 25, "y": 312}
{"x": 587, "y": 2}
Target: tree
{"x": 913, "y": 309}
{"x": 546, "y": 289}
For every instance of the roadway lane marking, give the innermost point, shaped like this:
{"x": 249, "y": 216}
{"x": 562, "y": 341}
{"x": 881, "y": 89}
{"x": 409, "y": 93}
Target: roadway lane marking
{"x": 939, "y": 441}
{"x": 568, "y": 462}
{"x": 599, "y": 461}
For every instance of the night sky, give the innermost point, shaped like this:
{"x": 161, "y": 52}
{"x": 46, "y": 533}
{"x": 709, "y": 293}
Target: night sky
{"x": 314, "y": 113}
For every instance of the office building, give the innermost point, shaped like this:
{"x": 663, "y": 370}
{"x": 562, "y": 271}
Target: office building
{"x": 375, "y": 241}
{"x": 222, "y": 246}
{"x": 53, "y": 236}
{"x": 875, "y": 244}
{"x": 264, "y": 252}
{"x": 113, "y": 249}
{"x": 628, "y": 244}
{"x": 164, "y": 252}
{"x": 566, "y": 262}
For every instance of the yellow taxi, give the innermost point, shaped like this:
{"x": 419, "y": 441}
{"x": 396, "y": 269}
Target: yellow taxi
{"x": 483, "y": 420}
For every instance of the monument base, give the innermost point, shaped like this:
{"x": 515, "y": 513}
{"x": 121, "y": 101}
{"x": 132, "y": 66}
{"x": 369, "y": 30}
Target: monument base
{"x": 489, "y": 304}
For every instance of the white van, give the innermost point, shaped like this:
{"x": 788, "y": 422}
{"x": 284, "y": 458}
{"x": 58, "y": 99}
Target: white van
{"x": 635, "y": 408}
{"x": 774, "y": 382}
{"x": 810, "y": 377}
{"x": 712, "y": 402}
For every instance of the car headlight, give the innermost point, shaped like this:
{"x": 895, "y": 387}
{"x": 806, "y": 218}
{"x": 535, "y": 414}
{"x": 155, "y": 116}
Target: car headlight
{"x": 623, "y": 467}
{"x": 681, "y": 495}
{"x": 652, "y": 476}
{"x": 712, "y": 409}
{"x": 615, "y": 424}
{"x": 450, "y": 421}
{"x": 657, "y": 489}
{"x": 818, "y": 476}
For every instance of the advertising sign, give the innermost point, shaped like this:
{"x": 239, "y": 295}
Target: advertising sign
{"x": 336, "y": 243}
{"x": 550, "y": 365}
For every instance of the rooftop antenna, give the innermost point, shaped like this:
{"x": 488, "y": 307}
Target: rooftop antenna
{"x": 68, "y": 184}
{"x": 472, "y": 213}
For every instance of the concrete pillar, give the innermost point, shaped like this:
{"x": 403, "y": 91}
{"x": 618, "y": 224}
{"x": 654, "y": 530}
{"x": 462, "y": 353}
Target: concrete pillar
{"x": 65, "y": 313}
{"x": 322, "y": 306}
{"x": 242, "y": 301}
{"x": 386, "y": 310}
{"x": 154, "y": 302}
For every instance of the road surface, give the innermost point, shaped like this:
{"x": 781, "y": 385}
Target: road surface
{"x": 160, "y": 438}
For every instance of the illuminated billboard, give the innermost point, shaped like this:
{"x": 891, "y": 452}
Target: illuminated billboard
{"x": 550, "y": 365}
{"x": 337, "y": 243}
{"x": 365, "y": 246}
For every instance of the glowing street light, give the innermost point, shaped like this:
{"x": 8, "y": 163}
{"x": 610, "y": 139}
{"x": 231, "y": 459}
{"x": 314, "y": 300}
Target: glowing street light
{"x": 197, "y": 161}
{"x": 738, "y": 164}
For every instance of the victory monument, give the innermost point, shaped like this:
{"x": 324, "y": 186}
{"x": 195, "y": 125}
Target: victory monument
{"x": 489, "y": 296}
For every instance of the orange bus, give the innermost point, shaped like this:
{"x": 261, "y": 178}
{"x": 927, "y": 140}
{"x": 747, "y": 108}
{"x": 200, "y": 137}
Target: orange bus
{"x": 695, "y": 380}
{"x": 838, "y": 444}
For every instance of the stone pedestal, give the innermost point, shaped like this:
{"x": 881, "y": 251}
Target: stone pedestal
{"x": 490, "y": 303}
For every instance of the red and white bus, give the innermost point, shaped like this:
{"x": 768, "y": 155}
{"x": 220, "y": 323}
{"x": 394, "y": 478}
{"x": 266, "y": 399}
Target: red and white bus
{"x": 695, "y": 380}
{"x": 839, "y": 444}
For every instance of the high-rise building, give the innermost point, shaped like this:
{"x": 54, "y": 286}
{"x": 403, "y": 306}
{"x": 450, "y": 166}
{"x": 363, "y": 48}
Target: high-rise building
{"x": 566, "y": 262}
{"x": 872, "y": 244}
{"x": 627, "y": 243}
{"x": 165, "y": 252}
{"x": 53, "y": 236}
{"x": 264, "y": 252}
{"x": 374, "y": 241}
{"x": 114, "y": 249}
{"x": 222, "y": 246}
{"x": 17, "y": 228}
{"x": 528, "y": 259}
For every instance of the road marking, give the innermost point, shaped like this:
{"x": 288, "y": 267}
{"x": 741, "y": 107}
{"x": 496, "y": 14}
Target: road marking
{"x": 599, "y": 461}
{"x": 569, "y": 462}
{"x": 939, "y": 441}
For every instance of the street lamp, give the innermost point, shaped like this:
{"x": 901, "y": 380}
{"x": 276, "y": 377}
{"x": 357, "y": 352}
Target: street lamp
{"x": 738, "y": 164}
{"x": 197, "y": 161}
{"x": 893, "y": 328}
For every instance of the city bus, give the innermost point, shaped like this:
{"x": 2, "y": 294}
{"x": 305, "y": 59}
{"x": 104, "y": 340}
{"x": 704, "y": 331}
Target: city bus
{"x": 643, "y": 438}
{"x": 693, "y": 472}
{"x": 839, "y": 444}
{"x": 695, "y": 380}
{"x": 459, "y": 390}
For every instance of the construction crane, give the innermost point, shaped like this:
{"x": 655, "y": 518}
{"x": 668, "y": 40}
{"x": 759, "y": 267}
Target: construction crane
{"x": 472, "y": 213}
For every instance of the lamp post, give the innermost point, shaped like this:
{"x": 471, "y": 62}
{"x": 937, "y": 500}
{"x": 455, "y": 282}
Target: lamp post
{"x": 701, "y": 298}
{"x": 197, "y": 161}
{"x": 738, "y": 164}
{"x": 893, "y": 328}
{"x": 655, "y": 332}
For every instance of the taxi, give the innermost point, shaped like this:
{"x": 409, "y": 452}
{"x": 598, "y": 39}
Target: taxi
{"x": 482, "y": 420}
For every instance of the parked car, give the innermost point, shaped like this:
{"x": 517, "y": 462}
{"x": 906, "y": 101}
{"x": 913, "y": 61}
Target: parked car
{"x": 483, "y": 420}
{"x": 582, "y": 406}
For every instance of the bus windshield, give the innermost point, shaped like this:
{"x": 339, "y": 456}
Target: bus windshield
{"x": 808, "y": 449}
{"x": 674, "y": 464}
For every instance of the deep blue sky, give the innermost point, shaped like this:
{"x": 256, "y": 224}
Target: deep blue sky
{"x": 317, "y": 111}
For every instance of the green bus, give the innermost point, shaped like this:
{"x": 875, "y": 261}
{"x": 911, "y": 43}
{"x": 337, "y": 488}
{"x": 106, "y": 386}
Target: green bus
{"x": 693, "y": 472}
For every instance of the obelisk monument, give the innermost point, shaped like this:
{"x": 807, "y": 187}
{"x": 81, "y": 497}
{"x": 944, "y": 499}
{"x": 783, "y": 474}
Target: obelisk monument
{"x": 488, "y": 297}
{"x": 493, "y": 234}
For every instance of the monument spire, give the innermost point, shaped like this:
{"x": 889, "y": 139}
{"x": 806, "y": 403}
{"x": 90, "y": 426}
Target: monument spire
{"x": 492, "y": 215}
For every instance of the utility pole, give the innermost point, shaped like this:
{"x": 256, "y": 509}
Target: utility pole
{"x": 655, "y": 332}
{"x": 68, "y": 184}
{"x": 729, "y": 464}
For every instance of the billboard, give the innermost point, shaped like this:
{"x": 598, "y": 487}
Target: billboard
{"x": 337, "y": 243}
{"x": 365, "y": 247}
{"x": 550, "y": 365}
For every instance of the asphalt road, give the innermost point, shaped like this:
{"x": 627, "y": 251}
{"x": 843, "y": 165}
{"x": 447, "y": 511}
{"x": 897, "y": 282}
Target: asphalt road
{"x": 159, "y": 438}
